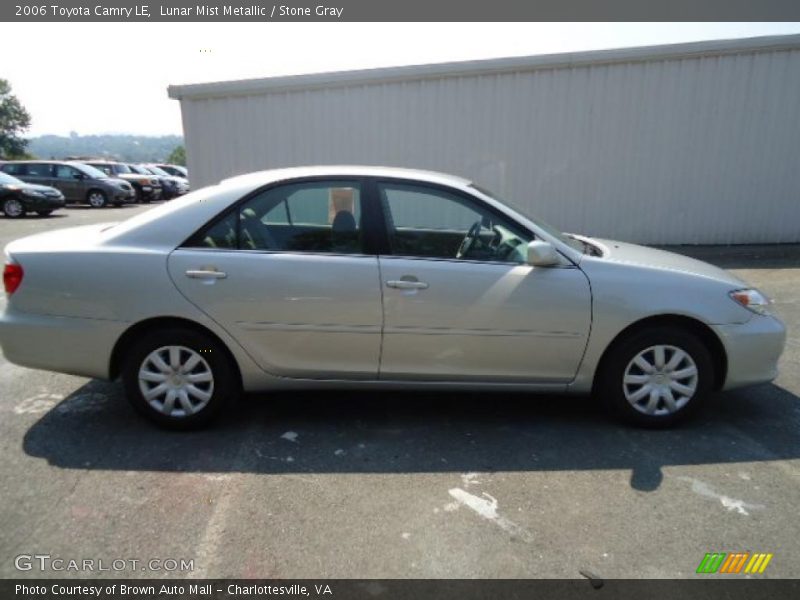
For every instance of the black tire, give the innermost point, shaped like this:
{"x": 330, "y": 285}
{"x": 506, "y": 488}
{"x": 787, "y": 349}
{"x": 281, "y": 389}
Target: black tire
{"x": 13, "y": 208}
{"x": 611, "y": 380}
{"x": 97, "y": 198}
{"x": 44, "y": 213}
{"x": 225, "y": 387}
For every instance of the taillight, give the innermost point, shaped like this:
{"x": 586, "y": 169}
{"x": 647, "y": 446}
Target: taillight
{"x": 12, "y": 277}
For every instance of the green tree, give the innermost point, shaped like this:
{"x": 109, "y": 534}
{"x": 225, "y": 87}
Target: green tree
{"x": 177, "y": 156}
{"x": 14, "y": 120}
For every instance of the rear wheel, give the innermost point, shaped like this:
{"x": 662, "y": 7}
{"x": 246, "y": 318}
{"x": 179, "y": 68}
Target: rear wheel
{"x": 656, "y": 377}
{"x": 179, "y": 378}
{"x": 13, "y": 208}
{"x": 96, "y": 198}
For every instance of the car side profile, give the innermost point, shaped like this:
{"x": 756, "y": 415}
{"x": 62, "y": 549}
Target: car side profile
{"x": 79, "y": 183}
{"x": 369, "y": 277}
{"x": 18, "y": 198}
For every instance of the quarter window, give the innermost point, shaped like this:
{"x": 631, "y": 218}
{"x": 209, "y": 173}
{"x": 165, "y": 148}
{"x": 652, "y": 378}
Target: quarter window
{"x": 38, "y": 170}
{"x": 301, "y": 217}
{"x": 432, "y": 223}
{"x": 13, "y": 169}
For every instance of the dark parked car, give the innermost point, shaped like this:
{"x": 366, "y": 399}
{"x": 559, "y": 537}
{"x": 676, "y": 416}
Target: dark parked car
{"x": 147, "y": 187}
{"x": 77, "y": 181}
{"x": 18, "y": 197}
{"x": 171, "y": 187}
{"x": 176, "y": 170}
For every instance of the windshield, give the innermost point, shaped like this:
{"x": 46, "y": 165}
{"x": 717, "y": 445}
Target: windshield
{"x": 120, "y": 168}
{"x": 546, "y": 227}
{"x": 90, "y": 170}
{"x": 7, "y": 179}
{"x": 157, "y": 171}
{"x": 139, "y": 170}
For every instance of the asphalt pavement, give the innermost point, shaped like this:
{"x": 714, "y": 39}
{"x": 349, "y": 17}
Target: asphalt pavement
{"x": 384, "y": 485}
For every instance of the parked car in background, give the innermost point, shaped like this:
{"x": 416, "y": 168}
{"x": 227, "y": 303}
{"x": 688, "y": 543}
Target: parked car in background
{"x": 176, "y": 170}
{"x": 182, "y": 182}
{"x": 171, "y": 187}
{"x": 77, "y": 181}
{"x": 18, "y": 197}
{"x": 147, "y": 187}
{"x": 375, "y": 277}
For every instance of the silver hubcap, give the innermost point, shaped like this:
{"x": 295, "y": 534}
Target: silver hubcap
{"x": 176, "y": 381}
{"x": 660, "y": 380}
{"x": 96, "y": 200}
{"x": 13, "y": 208}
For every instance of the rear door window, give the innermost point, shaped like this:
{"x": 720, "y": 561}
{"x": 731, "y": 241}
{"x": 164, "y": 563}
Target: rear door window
{"x": 318, "y": 216}
{"x": 39, "y": 170}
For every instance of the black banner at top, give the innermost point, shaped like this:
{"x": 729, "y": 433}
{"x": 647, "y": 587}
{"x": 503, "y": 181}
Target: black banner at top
{"x": 399, "y": 10}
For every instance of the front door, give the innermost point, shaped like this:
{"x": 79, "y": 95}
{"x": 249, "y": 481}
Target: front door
{"x": 289, "y": 275}
{"x": 461, "y": 304}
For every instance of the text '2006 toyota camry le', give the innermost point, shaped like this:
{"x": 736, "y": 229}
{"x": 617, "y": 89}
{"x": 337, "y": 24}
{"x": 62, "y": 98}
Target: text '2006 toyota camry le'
{"x": 375, "y": 277}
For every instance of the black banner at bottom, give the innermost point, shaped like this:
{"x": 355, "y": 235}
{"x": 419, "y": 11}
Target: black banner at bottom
{"x": 728, "y": 588}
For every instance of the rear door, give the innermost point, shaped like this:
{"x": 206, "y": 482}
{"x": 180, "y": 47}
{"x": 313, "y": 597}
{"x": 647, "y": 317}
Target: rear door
{"x": 290, "y": 273}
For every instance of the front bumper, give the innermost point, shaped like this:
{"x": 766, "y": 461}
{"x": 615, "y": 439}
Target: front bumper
{"x": 150, "y": 193}
{"x": 124, "y": 196}
{"x": 45, "y": 203}
{"x": 753, "y": 350}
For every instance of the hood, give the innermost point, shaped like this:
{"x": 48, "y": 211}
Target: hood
{"x": 46, "y": 189}
{"x": 632, "y": 254}
{"x": 151, "y": 179}
{"x": 117, "y": 180}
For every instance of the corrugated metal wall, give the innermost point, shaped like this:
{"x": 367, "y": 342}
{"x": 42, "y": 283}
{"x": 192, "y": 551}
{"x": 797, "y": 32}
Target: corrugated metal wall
{"x": 689, "y": 150}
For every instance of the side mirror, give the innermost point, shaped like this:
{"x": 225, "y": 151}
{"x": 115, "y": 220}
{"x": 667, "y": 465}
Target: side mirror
{"x": 542, "y": 254}
{"x": 79, "y": 176}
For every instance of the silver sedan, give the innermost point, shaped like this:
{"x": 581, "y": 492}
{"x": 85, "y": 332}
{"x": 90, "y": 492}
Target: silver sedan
{"x": 346, "y": 277}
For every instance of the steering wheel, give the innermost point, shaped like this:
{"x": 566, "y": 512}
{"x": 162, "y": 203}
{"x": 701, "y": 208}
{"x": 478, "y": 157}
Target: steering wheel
{"x": 469, "y": 239}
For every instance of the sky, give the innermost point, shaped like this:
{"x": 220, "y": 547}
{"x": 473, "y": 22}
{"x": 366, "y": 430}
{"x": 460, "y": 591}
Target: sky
{"x": 112, "y": 77}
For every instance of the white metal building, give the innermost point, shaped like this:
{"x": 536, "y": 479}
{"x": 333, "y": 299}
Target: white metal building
{"x": 689, "y": 143}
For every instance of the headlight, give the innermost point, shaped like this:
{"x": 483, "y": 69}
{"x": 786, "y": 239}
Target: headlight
{"x": 752, "y": 300}
{"x": 34, "y": 193}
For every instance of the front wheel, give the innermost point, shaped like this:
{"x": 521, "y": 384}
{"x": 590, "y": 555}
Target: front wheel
{"x": 96, "y": 199}
{"x": 179, "y": 378}
{"x": 13, "y": 208}
{"x": 656, "y": 377}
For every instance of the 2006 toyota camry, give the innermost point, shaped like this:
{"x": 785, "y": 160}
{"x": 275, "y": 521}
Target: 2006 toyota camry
{"x": 375, "y": 277}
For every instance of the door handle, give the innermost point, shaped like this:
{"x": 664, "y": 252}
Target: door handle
{"x": 404, "y": 284}
{"x": 206, "y": 274}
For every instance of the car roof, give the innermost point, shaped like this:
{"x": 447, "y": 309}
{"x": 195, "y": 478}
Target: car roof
{"x": 268, "y": 176}
{"x": 169, "y": 224}
{"x": 49, "y": 162}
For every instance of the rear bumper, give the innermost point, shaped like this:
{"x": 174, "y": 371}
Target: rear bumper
{"x": 64, "y": 344}
{"x": 753, "y": 350}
